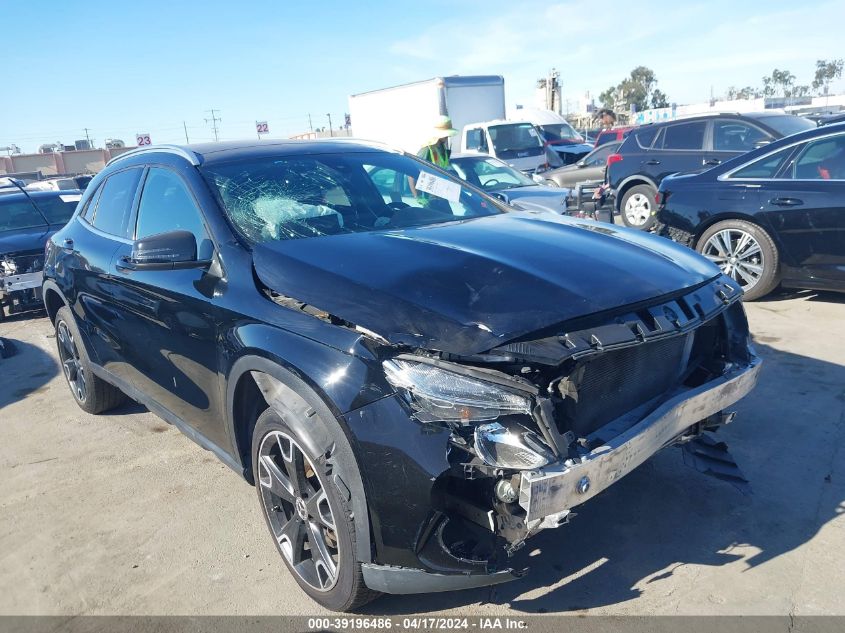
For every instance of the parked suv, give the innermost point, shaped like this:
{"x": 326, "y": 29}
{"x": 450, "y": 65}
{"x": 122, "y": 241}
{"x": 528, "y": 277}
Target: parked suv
{"x": 654, "y": 151}
{"x": 415, "y": 385}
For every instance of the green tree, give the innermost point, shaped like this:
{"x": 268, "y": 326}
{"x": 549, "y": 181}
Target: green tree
{"x": 658, "y": 99}
{"x": 638, "y": 89}
{"x": 826, "y": 72}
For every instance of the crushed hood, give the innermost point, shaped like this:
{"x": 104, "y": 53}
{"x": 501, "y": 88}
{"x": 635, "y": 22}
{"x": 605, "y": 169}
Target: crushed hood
{"x": 466, "y": 287}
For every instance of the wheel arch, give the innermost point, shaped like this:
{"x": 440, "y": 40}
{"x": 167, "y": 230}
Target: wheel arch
{"x": 54, "y": 300}
{"x": 254, "y": 383}
{"x": 628, "y": 183}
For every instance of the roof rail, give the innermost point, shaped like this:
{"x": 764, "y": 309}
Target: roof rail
{"x": 189, "y": 155}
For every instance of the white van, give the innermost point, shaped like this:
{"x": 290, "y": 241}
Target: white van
{"x": 518, "y": 143}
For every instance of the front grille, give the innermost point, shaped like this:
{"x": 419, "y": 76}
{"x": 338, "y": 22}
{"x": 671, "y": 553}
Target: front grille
{"x": 612, "y": 384}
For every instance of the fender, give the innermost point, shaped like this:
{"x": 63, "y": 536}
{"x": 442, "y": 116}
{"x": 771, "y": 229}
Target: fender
{"x": 278, "y": 385}
{"x": 622, "y": 185}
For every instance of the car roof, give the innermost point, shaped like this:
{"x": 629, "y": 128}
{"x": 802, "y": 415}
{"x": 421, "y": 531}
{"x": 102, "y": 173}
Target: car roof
{"x": 706, "y": 116}
{"x": 36, "y": 194}
{"x": 225, "y": 151}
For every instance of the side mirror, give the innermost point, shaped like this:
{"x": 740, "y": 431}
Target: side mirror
{"x": 164, "y": 251}
{"x": 581, "y": 164}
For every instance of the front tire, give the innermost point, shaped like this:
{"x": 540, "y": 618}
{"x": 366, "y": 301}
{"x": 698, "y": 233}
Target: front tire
{"x": 92, "y": 393}
{"x": 746, "y": 253}
{"x": 637, "y": 207}
{"x": 310, "y": 520}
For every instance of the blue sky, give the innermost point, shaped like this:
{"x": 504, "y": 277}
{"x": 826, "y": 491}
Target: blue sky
{"x": 121, "y": 67}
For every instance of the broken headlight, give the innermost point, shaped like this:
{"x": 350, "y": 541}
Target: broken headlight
{"x": 439, "y": 395}
{"x": 511, "y": 447}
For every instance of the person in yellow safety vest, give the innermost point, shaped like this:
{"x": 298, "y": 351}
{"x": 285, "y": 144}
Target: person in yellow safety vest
{"x": 436, "y": 151}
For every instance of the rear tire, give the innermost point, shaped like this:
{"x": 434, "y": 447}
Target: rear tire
{"x": 306, "y": 512}
{"x": 637, "y": 207}
{"x": 746, "y": 253}
{"x": 92, "y": 393}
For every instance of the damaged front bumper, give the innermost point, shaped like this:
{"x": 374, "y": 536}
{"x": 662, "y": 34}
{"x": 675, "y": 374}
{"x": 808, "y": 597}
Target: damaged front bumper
{"x": 26, "y": 281}
{"x": 554, "y": 490}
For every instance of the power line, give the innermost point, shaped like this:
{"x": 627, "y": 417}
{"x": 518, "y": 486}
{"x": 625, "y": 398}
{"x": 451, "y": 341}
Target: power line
{"x": 214, "y": 119}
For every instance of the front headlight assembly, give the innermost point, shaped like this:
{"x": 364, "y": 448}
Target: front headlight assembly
{"x": 439, "y": 395}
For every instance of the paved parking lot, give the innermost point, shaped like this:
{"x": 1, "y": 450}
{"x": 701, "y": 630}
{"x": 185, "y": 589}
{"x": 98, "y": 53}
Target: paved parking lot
{"x": 120, "y": 514}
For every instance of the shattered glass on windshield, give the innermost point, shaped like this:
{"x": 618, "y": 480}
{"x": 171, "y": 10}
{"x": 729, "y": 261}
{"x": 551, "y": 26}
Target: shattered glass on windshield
{"x": 308, "y": 196}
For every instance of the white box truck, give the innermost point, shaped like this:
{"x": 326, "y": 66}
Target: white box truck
{"x": 403, "y": 116}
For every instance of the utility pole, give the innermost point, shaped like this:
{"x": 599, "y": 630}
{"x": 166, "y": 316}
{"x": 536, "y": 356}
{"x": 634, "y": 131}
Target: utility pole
{"x": 186, "y": 132}
{"x": 214, "y": 119}
{"x": 310, "y": 127}
{"x": 87, "y": 138}
{"x": 331, "y": 133}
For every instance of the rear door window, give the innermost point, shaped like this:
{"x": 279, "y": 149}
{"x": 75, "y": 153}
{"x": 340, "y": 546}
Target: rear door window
{"x": 646, "y": 137}
{"x": 114, "y": 208}
{"x": 766, "y": 167}
{"x": 685, "y": 136}
{"x": 821, "y": 160}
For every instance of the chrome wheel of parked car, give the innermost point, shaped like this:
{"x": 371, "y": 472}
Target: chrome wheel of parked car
{"x": 744, "y": 251}
{"x": 738, "y": 254}
{"x": 71, "y": 363}
{"x": 297, "y": 507}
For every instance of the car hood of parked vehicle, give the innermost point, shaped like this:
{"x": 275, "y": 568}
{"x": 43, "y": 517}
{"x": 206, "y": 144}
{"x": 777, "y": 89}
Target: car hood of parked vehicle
{"x": 468, "y": 286}
{"x": 535, "y": 197}
{"x": 22, "y": 240}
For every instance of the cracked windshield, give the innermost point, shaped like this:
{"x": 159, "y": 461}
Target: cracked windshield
{"x": 309, "y": 196}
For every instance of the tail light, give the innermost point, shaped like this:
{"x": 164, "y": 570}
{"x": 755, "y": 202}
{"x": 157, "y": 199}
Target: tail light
{"x": 613, "y": 158}
{"x": 661, "y": 197}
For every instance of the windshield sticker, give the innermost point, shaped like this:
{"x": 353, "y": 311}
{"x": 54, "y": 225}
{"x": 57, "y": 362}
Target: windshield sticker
{"x": 71, "y": 197}
{"x": 439, "y": 187}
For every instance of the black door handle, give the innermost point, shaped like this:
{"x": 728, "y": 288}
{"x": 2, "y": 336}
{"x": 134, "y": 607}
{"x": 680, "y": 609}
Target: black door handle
{"x": 652, "y": 162}
{"x": 786, "y": 202}
{"x": 711, "y": 161}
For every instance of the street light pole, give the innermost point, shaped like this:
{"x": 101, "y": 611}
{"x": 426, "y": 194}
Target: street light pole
{"x": 331, "y": 133}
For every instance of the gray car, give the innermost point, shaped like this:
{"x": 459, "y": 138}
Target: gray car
{"x": 508, "y": 184}
{"x": 589, "y": 168}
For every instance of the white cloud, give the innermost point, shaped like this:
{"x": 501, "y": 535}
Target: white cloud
{"x": 690, "y": 47}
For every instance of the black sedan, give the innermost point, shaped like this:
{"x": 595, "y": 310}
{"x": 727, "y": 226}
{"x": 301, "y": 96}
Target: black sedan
{"x": 775, "y": 215}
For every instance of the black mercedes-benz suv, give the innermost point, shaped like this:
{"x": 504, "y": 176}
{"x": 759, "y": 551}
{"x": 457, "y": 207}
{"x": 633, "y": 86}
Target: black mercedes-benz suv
{"x": 415, "y": 384}
{"x": 652, "y": 152}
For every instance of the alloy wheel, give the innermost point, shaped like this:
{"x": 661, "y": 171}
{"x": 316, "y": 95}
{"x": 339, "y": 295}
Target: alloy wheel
{"x": 738, "y": 254}
{"x": 295, "y": 501}
{"x": 71, "y": 363}
{"x": 637, "y": 209}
